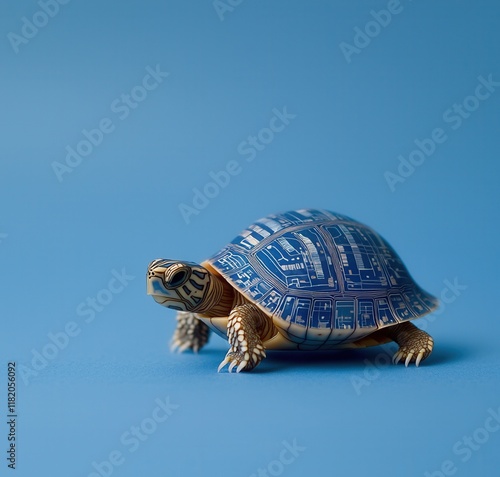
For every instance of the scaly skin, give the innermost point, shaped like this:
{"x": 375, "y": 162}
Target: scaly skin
{"x": 246, "y": 327}
{"x": 191, "y": 333}
{"x": 414, "y": 345}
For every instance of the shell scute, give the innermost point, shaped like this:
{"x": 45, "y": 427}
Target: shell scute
{"x": 322, "y": 276}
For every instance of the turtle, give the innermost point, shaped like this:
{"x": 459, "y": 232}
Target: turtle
{"x": 307, "y": 279}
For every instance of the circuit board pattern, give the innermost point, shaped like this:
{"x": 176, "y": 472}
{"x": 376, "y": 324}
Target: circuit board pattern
{"x": 323, "y": 276}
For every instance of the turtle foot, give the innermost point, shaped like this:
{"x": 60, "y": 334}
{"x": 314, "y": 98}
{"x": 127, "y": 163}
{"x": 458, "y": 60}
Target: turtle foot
{"x": 416, "y": 349}
{"x": 247, "y": 349}
{"x": 243, "y": 360}
{"x": 191, "y": 333}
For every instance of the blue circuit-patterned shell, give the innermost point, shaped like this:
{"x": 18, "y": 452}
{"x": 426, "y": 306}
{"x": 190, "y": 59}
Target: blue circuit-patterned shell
{"x": 322, "y": 276}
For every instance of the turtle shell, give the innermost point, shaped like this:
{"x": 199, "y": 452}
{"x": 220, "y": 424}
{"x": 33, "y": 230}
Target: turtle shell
{"x": 325, "y": 278}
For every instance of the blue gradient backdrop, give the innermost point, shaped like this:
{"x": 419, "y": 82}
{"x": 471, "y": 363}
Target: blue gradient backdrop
{"x": 354, "y": 114}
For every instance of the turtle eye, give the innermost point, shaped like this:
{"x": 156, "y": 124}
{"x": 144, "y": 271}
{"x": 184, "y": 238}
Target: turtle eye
{"x": 178, "y": 279}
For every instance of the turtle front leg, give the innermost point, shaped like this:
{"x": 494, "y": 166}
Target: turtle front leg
{"x": 191, "y": 333}
{"x": 246, "y": 327}
{"x": 414, "y": 345}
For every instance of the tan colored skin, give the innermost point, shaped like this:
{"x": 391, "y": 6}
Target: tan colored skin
{"x": 216, "y": 314}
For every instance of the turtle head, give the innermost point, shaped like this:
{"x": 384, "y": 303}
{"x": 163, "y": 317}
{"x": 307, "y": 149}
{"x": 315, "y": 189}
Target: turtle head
{"x": 183, "y": 286}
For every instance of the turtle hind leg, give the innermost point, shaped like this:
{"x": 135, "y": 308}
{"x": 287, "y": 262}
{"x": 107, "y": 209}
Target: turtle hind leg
{"x": 246, "y": 327}
{"x": 415, "y": 345}
{"x": 191, "y": 333}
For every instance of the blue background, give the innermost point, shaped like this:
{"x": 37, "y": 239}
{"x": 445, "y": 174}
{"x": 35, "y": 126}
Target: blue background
{"x": 120, "y": 208}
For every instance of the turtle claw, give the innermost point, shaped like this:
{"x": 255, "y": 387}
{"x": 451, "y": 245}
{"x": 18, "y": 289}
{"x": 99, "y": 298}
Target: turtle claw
{"x": 231, "y": 366}
{"x": 397, "y": 357}
{"x": 419, "y": 358}
{"x": 414, "y": 352}
{"x": 234, "y": 362}
{"x": 174, "y": 345}
{"x": 241, "y": 366}
{"x": 243, "y": 360}
{"x": 179, "y": 347}
{"x": 408, "y": 358}
{"x": 223, "y": 363}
